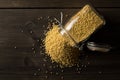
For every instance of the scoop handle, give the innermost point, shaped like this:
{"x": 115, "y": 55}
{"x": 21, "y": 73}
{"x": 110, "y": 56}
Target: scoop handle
{"x": 98, "y": 47}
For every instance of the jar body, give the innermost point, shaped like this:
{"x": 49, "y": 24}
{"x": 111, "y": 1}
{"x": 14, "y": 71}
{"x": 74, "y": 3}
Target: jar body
{"x": 83, "y": 24}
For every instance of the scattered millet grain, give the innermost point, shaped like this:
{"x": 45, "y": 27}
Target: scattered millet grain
{"x": 59, "y": 48}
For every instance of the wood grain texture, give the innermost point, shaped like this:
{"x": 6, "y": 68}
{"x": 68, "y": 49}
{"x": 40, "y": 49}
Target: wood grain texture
{"x": 21, "y": 31}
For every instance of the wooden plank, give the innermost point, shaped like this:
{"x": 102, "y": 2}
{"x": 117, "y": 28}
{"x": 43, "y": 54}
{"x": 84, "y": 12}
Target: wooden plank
{"x": 57, "y": 3}
{"x": 105, "y": 3}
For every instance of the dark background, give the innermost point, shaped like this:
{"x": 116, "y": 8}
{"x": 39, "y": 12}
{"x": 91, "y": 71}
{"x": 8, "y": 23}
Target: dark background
{"x": 22, "y": 24}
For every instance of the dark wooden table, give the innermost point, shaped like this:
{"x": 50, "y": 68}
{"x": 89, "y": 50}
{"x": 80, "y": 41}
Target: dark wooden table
{"x": 22, "y": 25}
